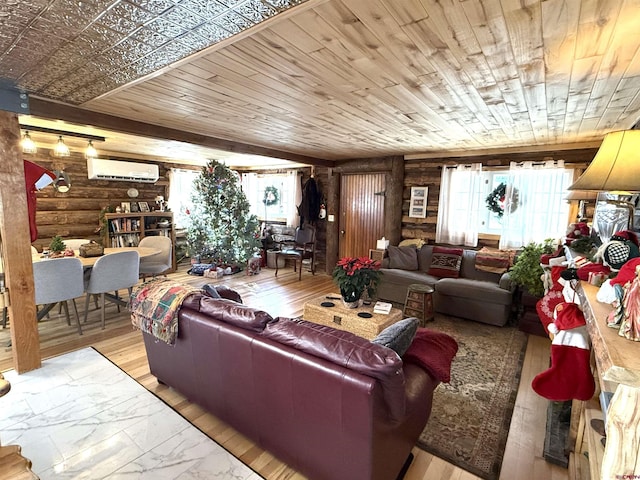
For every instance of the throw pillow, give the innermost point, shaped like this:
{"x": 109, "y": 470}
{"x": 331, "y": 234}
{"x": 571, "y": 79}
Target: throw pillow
{"x": 412, "y": 242}
{"x": 494, "y": 261}
{"x": 398, "y": 337}
{"x": 403, "y": 258}
{"x": 445, "y": 262}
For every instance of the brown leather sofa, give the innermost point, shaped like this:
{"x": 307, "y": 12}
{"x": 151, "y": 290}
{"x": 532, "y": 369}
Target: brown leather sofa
{"x": 332, "y": 405}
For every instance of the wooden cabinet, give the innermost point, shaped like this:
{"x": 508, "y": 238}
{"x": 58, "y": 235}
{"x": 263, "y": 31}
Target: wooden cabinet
{"x": 127, "y": 229}
{"x": 617, "y": 370}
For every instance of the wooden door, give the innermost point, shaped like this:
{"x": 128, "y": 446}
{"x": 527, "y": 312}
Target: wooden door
{"x": 361, "y": 213}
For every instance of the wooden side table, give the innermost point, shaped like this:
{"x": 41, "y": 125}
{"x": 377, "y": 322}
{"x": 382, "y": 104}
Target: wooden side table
{"x": 419, "y": 303}
{"x": 375, "y": 254}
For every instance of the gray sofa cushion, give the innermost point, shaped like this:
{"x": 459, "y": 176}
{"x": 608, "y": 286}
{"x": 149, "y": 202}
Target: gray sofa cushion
{"x": 405, "y": 258}
{"x": 404, "y": 277}
{"x": 488, "y": 292}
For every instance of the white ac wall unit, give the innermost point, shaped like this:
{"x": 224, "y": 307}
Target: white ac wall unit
{"x": 102, "y": 169}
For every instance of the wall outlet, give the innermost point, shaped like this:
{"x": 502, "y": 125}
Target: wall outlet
{"x": 331, "y": 218}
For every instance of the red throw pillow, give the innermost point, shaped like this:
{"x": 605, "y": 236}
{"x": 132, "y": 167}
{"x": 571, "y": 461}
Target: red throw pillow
{"x": 445, "y": 262}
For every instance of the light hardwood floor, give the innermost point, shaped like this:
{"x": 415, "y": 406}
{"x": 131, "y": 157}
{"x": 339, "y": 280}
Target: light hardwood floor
{"x": 285, "y": 296}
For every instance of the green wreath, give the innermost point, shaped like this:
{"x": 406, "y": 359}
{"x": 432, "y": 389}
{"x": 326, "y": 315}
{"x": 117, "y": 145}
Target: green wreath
{"x": 271, "y": 196}
{"x": 496, "y": 200}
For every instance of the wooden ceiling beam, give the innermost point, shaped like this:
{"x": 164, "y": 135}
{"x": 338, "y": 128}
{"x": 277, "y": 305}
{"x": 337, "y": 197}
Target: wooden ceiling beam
{"x": 59, "y": 111}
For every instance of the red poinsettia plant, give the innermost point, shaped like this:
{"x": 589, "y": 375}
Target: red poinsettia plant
{"x": 354, "y": 275}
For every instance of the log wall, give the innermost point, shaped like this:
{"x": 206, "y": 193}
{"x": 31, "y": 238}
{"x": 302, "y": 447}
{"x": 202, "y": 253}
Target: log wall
{"x": 76, "y": 214}
{"x": 427, "y": 172}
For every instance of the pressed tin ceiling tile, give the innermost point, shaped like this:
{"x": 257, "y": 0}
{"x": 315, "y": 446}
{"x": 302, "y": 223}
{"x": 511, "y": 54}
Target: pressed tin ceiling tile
{"x": 118, "y": 23}
{"x": 233, "y": 22}
{"x": 184, "y": 17}
{"x": 74, "y": 50}
{"x": 167, "y": 28}
{"x": 195, "y": 41}
{"x": 154, "y": 6}
{"x": 149, "y": 37}
{"x": 205, "y": 8}
{"x": 102, "y": 35}
{"x": 212, "y": 32}
{"x": 255, "y": 10}
{"x": 133, "y": 13}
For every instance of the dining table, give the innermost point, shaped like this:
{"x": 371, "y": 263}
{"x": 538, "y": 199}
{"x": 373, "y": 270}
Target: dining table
{"x": 88, "y": 262}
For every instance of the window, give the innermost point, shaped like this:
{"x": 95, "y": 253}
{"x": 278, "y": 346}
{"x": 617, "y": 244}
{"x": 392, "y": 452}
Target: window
{"x": 535, "y": 191}
{"x": 180, "y": 188}
{"x": 273, "y": 197}
{"x": 490, "y": 223}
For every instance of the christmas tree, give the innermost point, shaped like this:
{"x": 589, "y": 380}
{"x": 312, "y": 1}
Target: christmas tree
{"x": 220, "y": 226}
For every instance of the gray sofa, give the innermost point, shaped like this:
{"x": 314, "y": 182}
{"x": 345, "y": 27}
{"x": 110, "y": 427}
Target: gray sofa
{"x": 475, "y": 295}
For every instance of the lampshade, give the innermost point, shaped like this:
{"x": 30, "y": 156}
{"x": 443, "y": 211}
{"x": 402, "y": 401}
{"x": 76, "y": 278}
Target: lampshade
{"x": 28, "y": 145}
{"x": 90, "y": 151}
{"x": 61, "y": 149}
{"x": 576, "y": 195}
{"x": 616, "y": 166}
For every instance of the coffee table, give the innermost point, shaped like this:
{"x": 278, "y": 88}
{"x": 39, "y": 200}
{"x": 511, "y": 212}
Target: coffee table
{"x": 338, "y": 316}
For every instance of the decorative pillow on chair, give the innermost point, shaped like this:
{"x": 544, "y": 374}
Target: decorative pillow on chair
{"x": 445, "y": 262}
{"x": 398, "y": 336}
{"x": 403, "y": 258}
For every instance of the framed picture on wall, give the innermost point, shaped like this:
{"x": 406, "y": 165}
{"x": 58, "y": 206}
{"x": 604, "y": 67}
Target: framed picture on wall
{"x": 144, "y": 206}
{"x": 418, "y": 202}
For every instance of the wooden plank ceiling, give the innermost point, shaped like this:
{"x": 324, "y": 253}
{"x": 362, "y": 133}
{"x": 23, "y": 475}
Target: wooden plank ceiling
{"x": 341, "y": 79}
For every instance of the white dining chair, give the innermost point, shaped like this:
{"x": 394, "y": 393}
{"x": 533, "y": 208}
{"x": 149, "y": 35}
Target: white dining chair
{"x": 74, "y": 243}
{"x": 111, "y": 273}
{"x": 57, "y": 281}
{"x": 158, "y": 263}
{"x": 34, "y": 250}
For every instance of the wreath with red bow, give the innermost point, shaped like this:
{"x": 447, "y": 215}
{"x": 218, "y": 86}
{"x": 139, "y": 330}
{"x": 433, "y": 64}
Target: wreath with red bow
{"x": 496, "y": 201}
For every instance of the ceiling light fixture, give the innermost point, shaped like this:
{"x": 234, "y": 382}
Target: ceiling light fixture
{"x": 28, "y": 145}
{"x": 90, "y": 151}
{"x": 61, "y": 149}
{"x": 62, "y": 183}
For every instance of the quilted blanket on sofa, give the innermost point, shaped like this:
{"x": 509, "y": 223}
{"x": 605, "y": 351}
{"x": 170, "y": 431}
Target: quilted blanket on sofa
{"x": 154, "y": 307}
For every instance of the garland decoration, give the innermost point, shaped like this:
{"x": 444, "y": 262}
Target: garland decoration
{"x": 271, "y": 196}
{"x": 496, "y": 200}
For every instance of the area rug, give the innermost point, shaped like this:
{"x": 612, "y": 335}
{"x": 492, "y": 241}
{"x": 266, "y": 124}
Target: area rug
{"x": 80, "y": 416}
{"x": 470, "y": 420}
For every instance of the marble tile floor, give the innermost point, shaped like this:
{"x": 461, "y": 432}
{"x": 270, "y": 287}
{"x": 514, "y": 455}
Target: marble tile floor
{"x": 80, "y": 416}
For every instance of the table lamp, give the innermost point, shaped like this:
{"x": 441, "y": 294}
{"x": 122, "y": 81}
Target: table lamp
{"x": 615, "y": 169}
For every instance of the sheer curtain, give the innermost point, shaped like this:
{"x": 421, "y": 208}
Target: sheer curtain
{"x": 180, "y": 188}
{"x": 295, "y": 186}
{"x": 536, "y": 192}
{"x": 458, "y": 207}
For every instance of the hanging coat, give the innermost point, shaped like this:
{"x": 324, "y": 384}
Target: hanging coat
{"x": 309, "y": 208}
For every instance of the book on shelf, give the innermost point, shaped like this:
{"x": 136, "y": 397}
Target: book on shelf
{"x": 382, "y": 307}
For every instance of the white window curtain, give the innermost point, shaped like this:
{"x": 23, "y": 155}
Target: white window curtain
{"x": 539, "y": 211}
{"x": 295, "y": 186}
{"x": 180, "y": 191}
{"x": 458, "y": 207}
{"x": 290, "y": 191}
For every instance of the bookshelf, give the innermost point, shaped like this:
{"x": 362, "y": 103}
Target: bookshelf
{"x": 127, "y": 229}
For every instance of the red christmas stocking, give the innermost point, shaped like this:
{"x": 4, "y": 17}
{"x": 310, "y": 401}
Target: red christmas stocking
{"x": 570, "y": 374}
{"x": 568, "y": 377}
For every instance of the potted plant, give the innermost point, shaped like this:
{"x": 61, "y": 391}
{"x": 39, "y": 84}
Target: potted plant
{"x": 355, "y": 275}
{"x": 57, "y": 246}
{"x": 527, "y": 271}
